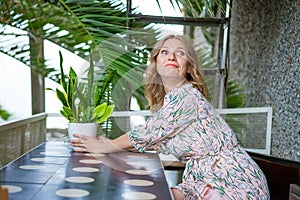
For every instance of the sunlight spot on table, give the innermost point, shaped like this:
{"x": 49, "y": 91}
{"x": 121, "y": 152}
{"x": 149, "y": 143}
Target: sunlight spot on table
{"x": 137, "y": 172}
{"x": 85, "y": 169}
{"x": 137, "y": 164}
{"x": 44, "y": 159}
{"x": 90, "y": 161}
{"x": 94, "y": 154}
{"x": 12, "y": 188}
{"x": 31, "y": 167}
{"x": 57, "y": 148}
{"x": 54, "y": 153}
{"x": 144, "y": 157}
{"x": 79, "y": 179}
{"x": 72, "y": 193}
{"x": 138, "y": 182}
{"x": 138, "y": 195}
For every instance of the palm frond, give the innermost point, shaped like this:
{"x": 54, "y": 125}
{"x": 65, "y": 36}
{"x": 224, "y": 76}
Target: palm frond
{"x": 78, "y": 26}
{"x": 203, "y": 8}
{"x": 235, "y": 96}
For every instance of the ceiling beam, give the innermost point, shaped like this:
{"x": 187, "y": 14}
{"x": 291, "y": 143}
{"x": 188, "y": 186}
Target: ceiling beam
{"x": 214, "y": 22}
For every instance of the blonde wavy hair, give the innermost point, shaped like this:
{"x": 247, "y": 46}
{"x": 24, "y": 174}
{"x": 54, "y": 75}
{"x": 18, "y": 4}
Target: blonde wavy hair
{"x": 154, "y": 89}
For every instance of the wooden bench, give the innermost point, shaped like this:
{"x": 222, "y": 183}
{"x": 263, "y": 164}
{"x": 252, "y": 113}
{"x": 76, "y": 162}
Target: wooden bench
{"x": 282, "y": 175}
{"x": 294, "y": 192}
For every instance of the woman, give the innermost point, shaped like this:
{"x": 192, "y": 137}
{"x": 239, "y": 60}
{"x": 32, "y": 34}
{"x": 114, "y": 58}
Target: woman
{"x": 186, "y": 125}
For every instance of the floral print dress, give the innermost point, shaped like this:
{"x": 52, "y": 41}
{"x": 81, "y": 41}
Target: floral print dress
{"x": 217, "y": 167}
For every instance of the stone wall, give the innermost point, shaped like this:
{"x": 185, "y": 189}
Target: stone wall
{"x": 265, "y": 58}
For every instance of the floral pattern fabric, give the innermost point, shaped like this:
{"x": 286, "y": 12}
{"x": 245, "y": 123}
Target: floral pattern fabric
{"x": 188, "y": 127}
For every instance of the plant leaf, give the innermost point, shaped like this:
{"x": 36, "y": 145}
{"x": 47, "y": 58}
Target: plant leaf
{"x": 68, "y": 111}
{"x": 73, "y": 81}
{"x": 107, "y": 114}
{"x": 99, "y": 110}
{"x": 62, "y": 96}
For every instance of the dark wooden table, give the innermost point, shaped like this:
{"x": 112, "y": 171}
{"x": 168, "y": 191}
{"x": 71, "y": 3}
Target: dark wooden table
{"x": 54, "y": 171}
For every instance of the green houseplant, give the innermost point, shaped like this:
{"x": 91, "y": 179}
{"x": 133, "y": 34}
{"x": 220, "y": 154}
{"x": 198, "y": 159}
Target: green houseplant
{"x": 81, "y": 97}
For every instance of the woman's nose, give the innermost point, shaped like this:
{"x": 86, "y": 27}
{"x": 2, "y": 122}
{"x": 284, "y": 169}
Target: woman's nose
{"x": 172, "y": 56}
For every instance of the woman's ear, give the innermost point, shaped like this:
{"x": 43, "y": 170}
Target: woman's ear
{"x": 189, "y": 70}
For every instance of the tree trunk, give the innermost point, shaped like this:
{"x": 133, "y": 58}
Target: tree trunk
{"x": 37, "y": 79}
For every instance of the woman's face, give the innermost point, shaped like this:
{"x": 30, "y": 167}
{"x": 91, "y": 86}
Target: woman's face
{"x": 171, "y": 60}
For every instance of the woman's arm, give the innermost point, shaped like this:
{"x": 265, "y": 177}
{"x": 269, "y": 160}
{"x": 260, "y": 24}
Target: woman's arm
{"x": 100, "y": 145}
{"x": 122, "y": 142}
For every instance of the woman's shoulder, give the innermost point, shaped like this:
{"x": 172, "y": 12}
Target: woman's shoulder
{"x": 179, "y": 90}
{"x": 190, "y": 92}
{"x": 177, "y": 97}
{"x": 182, "y": 89}
{"x": 185, "y": 91}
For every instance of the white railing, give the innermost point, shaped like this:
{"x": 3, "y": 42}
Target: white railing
{"x": 21, "y": 135}
{"x": 230, "y": 111}
{"x": 269, "y": 113}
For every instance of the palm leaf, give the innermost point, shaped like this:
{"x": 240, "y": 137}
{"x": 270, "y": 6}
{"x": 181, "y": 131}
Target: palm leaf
{"x": 197, "y": 8}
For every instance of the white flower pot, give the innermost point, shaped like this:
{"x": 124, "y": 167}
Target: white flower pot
{"x": 89, "y": 129}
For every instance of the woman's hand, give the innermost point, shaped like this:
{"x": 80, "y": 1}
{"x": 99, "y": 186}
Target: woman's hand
{"x": 90, "y": 144}
{"x": 101, "y": 144}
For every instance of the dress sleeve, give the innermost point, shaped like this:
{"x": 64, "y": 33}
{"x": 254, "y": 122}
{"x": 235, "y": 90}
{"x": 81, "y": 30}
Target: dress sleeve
{"x": 178, "y": 111}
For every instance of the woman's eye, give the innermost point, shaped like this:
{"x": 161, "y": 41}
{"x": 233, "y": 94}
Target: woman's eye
{"x": 180, "y": 53}
{"x": 165, "y": 52}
